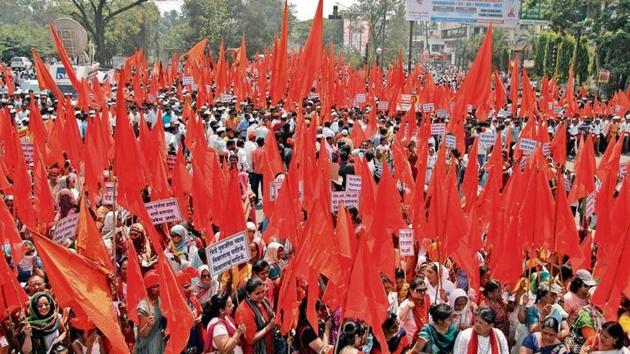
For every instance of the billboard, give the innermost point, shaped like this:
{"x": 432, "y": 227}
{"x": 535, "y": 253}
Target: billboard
{"x": 501, "y": 13}
{"x": 356, "y": 33}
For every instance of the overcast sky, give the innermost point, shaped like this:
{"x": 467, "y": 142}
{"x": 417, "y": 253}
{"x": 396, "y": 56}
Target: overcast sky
{"x": 305, "y": 8}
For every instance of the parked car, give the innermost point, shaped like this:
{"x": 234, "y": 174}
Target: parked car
{"x": 21, "y": 63}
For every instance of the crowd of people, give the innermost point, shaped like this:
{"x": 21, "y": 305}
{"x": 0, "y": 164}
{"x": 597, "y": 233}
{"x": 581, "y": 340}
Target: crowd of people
{"x": 434, "y": 305}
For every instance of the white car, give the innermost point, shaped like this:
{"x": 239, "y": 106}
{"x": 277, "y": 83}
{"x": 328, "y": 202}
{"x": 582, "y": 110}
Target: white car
{"x": 22, "y": 63}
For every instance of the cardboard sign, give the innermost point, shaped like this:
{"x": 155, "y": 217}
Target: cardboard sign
{"x": 187, "y": 80}
{"x": 107, "y": 194}
{"x": 360, "y": 98}
{"x": 623, "y": 169}
{"x": 353, "y": 183}
{"x": 528, "y": 145}
{"x": 487, "y": 138}
{"x": 313, "y": 95}
{"x": 274, "y": 189}
{"x": 441, "y": 113}
{"x": 66, "y": 228}
{"x": 450, "y": 141}
{"x": 405, "y": 242}
{"x": 226, "y": 98}
{"x": 383, "y": 106}
{"x": 567, "y": 184}
{"x": 523, "y": 162}
{"x": 469, "y": 108}
{"x": 28, "y": 150}
{"x": 546, "y": 149}
{"x": 163, "y": 211}
{"x": 350, "y": 199}
{"x": 228, "y": 253}
{"x": 427, "y": 107}
{"x": 438, "y": 129}
{"x": 170, "y": 164}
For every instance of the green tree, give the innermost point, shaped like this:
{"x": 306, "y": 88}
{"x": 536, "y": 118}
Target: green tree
{"x": 551, "y": 54}
{"x": 133, "y": 30}
{"x": 500, "y": 49}
{"x": 612, "y": 27}
{"x": 539, "y": 53}
{"x": 565, "y": 56}
{"x": 18, "y": 39}
{"x": 581, "y": 61}
{"x": 96, "y": 16}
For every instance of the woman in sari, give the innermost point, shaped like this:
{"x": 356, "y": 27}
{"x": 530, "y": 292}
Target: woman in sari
{"x": 205, "y": 286}
{"x": 545, "y": 341}
{"x": 439, "y": 335}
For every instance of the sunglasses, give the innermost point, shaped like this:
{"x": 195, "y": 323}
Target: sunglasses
{"x": 207, "y": 276}
{"x": 420, "y": 290}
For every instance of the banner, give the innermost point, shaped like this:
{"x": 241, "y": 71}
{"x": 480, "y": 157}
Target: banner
{"x": 405, "y": 242}
{"x": 438, "y": 129}
{"x": 451, "y": 141}
{"x": 108, "y": 193}
{"x": 163, "y": 211}
{"x": 353, "y": 183}
{"x": 227, "y": 253}
{"x": 350, "y": 199}
{"x": 528, "y": 145}
{"x": 487, "y": 138}
{"x": 501, "y": 13}
{"x": 66, "y": 228}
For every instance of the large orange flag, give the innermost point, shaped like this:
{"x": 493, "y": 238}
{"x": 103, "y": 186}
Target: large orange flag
{"x": 584, "y": 171}
{"x": 135, "y": 284}
{"x": 566, "y": 239}
{"x": 280, "y": 67}
{"x": 10, "y": 233}
{"x": 46, "y": 82}
{"x": 476, "y": 86}
{"x": 80, "y": 285}
{"x": 13, "y": 295}
{"x": 67, "y": 64}
{"x": 89, "y": 240}
{"x": 313, "y": 51}
{"x": 470, "y": 186}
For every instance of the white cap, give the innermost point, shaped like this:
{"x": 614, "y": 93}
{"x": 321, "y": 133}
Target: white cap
{"x": 251, "y": 226}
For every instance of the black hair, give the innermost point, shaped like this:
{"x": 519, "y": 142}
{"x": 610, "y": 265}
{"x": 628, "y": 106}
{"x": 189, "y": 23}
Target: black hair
{"x": 399, "y": 273}
{"x": 483, "y": 270}
{"x": 415, "y": 282}
{"x": 211, "y": 309}
{"x": 252, "y": 284}
{"x": 349, "y": 332}
{"x": 259, "y": 266}
{"x": 615, "y": 330}
{"x": 540, "y": 293}
{"x": 576, "y": 284}
{"x": 491, "y": 286}
{"x": 552, "y": 323}
{"x": 566, "y": 272}
{"x": 487, "y": 314}
{"x": 440, "y": 312}
{"x": 390, "y": 322}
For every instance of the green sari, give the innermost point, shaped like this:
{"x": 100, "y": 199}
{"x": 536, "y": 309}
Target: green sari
{"x": 438, "y": 343}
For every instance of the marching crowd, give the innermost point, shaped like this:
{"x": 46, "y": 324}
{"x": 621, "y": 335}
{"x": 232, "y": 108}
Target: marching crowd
{"x": 433, "y": 304}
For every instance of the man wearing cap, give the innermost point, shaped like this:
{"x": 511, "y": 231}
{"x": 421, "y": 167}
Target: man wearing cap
{"x": 577, "y": 296}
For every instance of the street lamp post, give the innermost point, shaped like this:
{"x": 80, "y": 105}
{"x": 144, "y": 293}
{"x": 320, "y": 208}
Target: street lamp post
{"x": 379, "y": 53}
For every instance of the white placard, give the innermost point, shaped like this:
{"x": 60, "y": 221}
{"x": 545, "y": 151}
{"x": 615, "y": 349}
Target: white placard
{"x": 450, "y": 141}
{"x": 427, "y": 107}
{"x": 567, "y": 183}
{"x": 441, "y": 113}
{"x": 438, "y": 129}
{"x": 274, "y": 189}
{"x": 108, "y": 193}
{"x": 528, "y": 145}
{"x": 353, "y": 183}
{"x": 546, "y": 149}
{"x": 350, "y": 199}
{"x": 360, "y": 98}
{"x": 405, "y": 242}
{"x": 313, "y": 95}
{"x": 187, "y": 80}
{"x": 469, "y": 108}
{"x": 383, "y": 106}
{"x": 28, "y": 151}
{"x": 226, "y": 98}
{"x": 66, "y": 228}
{"x": 227, "y": 253}
{"x": 524, "y": 162}
{"x": 163, "y": 211}
{"x": 487, "y": 138}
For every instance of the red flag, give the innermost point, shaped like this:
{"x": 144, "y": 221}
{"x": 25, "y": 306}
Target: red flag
{"x": 233, "y": 218}
{"x": 559, "y": 145}
{"x": 584, "y": 171}
{"x": 476, "y": 85}
{"x": 89, "y": 240}
{"x": 312, "y": 55}
{"x": 514, "y": 85}
{"x": 81, "y": 286}
{"x": 499, "y": 93}
{"x": 470, "y": 186}
{"x": 280, "y": 67}
{"x": 10, "y": 233}
{"x": 67, "y": 64}
{"x": 46, "y": 82}
{"x": 136, "y": 290}
{"x": 43, "y": 195}
{"x": 12, "y": 295}
{"x": 566, "y": 240}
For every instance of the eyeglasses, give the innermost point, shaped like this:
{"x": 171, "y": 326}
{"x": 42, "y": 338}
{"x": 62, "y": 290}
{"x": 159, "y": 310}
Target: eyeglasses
{"x": 206, "y": 276}
{"x": 420, "y": 290}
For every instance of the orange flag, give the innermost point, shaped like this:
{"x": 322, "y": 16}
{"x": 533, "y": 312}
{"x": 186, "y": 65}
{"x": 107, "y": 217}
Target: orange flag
{"x": 584, "y": 171}
{"x": 566, "y": 238}
{"x": 13, "y": 295}
{"x": 135, "y": 284}
{"x": 559, "y": 145}
{"x": 470, "y": 186}
{"x": 23, "y": 201}
{"x": 233, "y": 218}
{"x": 10, "y": 233}
{"x": 476, "y": 85}
{"x": 81, "y": 286}
{"x": 313, "y": 52}
{"x": 499, "y": 93}
{"x": 514, "y": 86}
{"x": 89, "y": 239}
{"x": 46, "y": 82}
{"x": 67, "y": 64}
{"x": 280, "y": 65}
{"x": 43, "y": 195}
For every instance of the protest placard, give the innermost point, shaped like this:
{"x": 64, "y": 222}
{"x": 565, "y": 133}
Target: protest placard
{"x": 567, "y": 183}
{"x": 163, "y": 211}
{"x": 590, "y": 204}
{"x": 226, "y": 98}
{"x": 360, "y": 98}
{"x": 66, "y": 228}
{"x": 313, "y": 95}
{"x": 438, "y": 129}
{"x": 405, "y": 242}
{"x": 28, "y": 151}
{"x": 170, "y": 164}
{"x": 450, "y": 141}
{"x": 427, "y": 107}
{"x": 353, "y": 183}
{"x": 441, "y": 113}
{"x": 227, "y": 253}
{"x": 108, "y": 193}
{"x": 546, "y": 149}
{"x": 623, "y": 169}
{"x": 350, "y": 199}
{"x": 383, "y": 106}
{"x": 528, "y": 145}
{"x": 187, "y": 80}
{"x": 487, "y": 138}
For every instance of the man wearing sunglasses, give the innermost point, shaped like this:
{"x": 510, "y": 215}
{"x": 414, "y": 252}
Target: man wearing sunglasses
{"x": 414, "y": 310}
